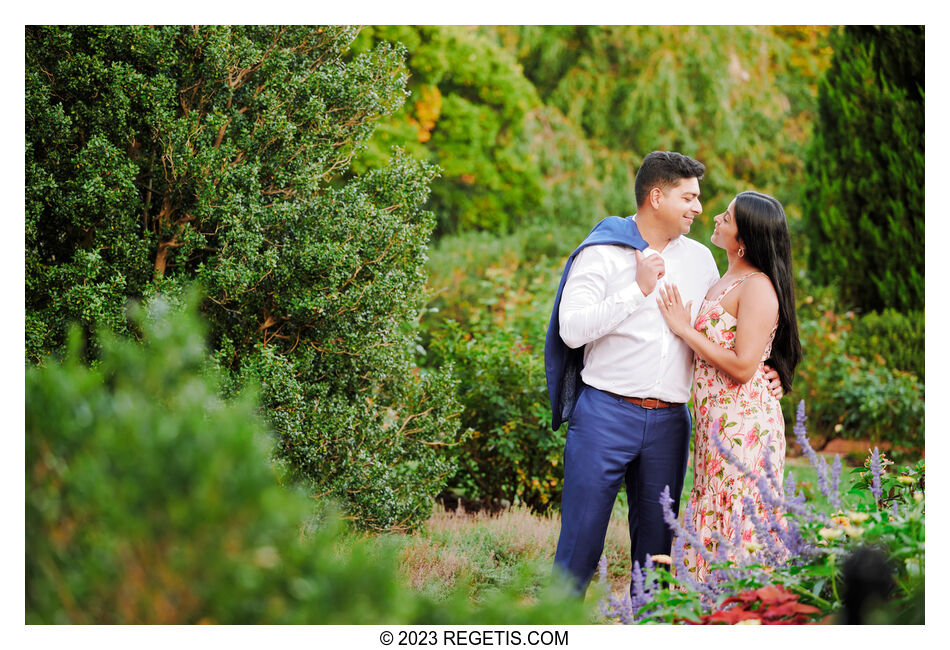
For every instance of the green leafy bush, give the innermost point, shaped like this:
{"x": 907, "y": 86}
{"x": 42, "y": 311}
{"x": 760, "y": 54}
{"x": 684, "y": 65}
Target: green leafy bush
{"x": 891, "y": 338}
{"x": 150, "y": 499}
{"x": 511, "y": 455}
{"x": 491, "y": 303}
{"x": 865, "y": 183}
{"x": 161, "y": 156}
{"x": 852, "y": 396}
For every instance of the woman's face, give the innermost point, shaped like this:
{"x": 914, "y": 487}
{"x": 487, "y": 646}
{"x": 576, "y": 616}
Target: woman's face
{"x": 726, "y": 235}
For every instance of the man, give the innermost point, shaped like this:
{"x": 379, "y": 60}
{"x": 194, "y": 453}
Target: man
{"x": 628, "y": 416}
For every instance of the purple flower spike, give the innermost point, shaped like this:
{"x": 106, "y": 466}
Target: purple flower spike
{"x": 681, "y": 531}
{"x": 790, "y": 494}
{"x": 876, "y": 474}
{"x": 775, "y": 554}
{"x": 816, "y": 461}
{"x": 836, "y": 483}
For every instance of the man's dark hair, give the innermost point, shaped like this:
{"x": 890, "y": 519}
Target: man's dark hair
{"x": 664, "y": 169}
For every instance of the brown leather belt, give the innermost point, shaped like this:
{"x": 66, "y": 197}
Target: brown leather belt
{"x": 647, "y": 403}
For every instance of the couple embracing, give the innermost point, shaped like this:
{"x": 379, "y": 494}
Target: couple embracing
{"x": 641, "y": 322}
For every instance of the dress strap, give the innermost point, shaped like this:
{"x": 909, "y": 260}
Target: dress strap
{"x": 735, "y": 284}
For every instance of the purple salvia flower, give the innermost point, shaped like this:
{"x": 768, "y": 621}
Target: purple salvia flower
{"x": 651, "y": 586}
{"x": 736, "y": 529}
{"x": 836, "y": 483}
{"x": 639, "y": 597}
{"x": 790, "y": 494}
{"x": 686, "y": 579}
{"x": 610, "y": 607}
{"x": 821, "y": 467}
{"x": 726, "y": 548}
{"x": 791, "y": 537}
{"x": 876, "y": 475}
{"x": 691, "y": 536}
{"x": 768, "y": 496}
{"x": 742, "y": 564}
{"x": 627, "y": 616}
{"x": 895, "y": 511}
{"x": 775, "y": 554}
{"x": 800, "y": 418}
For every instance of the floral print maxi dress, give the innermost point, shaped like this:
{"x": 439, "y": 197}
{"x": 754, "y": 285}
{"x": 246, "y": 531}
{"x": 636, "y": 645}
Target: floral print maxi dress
{"x": 749, "y": 421}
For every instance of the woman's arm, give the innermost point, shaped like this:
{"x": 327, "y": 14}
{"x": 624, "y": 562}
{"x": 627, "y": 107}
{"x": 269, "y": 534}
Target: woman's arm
{"x": 756, "y": 314}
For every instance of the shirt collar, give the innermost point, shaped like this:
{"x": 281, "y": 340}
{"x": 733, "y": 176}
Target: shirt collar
{"x": 674, "y": 243}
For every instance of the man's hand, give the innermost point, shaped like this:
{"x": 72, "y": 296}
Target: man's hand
{"x": 649, "y": 271}
{"x": 775, "y": 384}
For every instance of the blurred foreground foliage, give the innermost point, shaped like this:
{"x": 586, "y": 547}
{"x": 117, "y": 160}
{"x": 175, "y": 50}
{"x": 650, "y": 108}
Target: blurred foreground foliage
{"x": 150, "y": 499}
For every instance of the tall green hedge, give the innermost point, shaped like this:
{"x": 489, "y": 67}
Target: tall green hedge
{"x": 161, "y": 156}
{"x": 864, "y": 208}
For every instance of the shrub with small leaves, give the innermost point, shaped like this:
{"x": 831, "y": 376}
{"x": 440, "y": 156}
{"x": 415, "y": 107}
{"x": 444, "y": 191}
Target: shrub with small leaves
{"x": 161, "y": 156}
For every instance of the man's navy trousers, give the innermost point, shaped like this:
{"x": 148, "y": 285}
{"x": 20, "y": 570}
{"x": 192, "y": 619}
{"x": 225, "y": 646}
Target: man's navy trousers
{"x": 610, "y": 441}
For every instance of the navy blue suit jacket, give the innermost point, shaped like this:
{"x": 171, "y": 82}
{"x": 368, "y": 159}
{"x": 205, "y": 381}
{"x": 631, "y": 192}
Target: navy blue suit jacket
{"x": 562, "y": 365}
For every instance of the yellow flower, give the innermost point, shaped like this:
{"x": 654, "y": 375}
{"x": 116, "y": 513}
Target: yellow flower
{"x": 853, "y": 532}
{"x": 857, "y": 517}
{"x": 831, "y": 533}
{"x": 918, "y": 496}
{"x": 906, "y": 480}
{"x": 752, "y": 547}
{"x": 662, "y": 559}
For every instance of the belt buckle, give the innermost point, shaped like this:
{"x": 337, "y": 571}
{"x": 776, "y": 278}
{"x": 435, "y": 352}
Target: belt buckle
{"x": 656, "y": 403}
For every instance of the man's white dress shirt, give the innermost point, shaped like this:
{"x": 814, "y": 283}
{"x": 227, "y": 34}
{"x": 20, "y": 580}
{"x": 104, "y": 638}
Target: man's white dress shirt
{"x": 630, "y": 350}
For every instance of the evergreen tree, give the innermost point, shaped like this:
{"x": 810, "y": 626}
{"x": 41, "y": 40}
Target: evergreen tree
{"x": 158, "y": 157}
{"x": 864, "y": 203}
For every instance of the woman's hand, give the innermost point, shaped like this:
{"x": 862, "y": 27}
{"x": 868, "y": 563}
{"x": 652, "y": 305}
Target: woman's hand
{"x": 675, "y": 313}
{"x": 775, "y": 384}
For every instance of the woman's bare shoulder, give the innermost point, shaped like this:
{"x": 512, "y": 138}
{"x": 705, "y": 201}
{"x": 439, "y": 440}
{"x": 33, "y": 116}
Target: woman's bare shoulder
{"x": 759, "y": 289}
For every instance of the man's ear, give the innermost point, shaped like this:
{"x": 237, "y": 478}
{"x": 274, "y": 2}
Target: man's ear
{"x": 655, "y": 195}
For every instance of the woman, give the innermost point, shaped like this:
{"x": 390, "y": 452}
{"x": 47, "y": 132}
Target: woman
{"x": 746, "y": 318}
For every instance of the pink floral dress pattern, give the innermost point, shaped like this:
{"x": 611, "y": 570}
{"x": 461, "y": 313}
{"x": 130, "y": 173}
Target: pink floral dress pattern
{"x": 751, "y": 425}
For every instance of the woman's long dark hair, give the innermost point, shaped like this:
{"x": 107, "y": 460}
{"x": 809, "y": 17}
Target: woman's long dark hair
{"x": 763, "y": 230}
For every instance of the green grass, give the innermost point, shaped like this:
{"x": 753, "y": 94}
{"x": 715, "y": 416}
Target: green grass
{"x": 483, "y": 553}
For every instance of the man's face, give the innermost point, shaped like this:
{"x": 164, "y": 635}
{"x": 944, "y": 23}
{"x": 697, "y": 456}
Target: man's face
{"x": 678, "y": 206}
